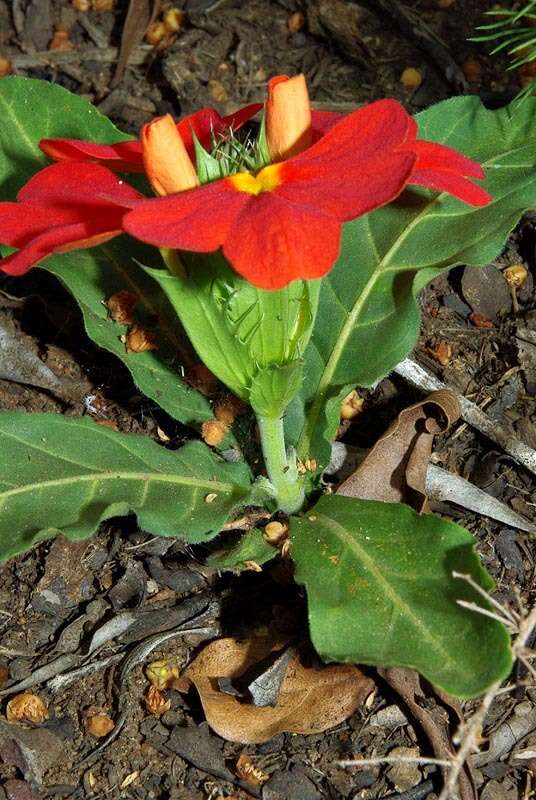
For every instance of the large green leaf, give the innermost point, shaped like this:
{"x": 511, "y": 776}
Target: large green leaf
{"x": 32, "y": 110}
{"x": 380, "y": 591}
{"x": 66, "y": 475}
{"x": 368, "y": 318}
{"x": 94, "y": 275}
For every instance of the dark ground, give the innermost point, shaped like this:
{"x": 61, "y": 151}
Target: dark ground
{"x": 223, "y": 57}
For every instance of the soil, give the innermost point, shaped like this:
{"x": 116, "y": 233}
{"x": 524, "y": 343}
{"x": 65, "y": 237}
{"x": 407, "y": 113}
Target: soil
{"x": 53, "y": 598}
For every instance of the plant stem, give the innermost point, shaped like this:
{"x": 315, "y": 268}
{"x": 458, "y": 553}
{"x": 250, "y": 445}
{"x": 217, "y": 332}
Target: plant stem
{"x": 281, "y": 469}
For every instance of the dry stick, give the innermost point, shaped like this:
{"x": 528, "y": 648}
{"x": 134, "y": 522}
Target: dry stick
{"x": 372, "y": 762}
{"x": 415, "y": 374}
{"x": 471, "y": 729}
{"x": 53, "y": 58}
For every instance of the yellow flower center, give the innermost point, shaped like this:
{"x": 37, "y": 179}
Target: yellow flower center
{"x": 264, "y": 181}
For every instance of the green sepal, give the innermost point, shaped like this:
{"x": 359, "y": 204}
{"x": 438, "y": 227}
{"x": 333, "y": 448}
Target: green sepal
{"x": 274, "y": 387}
{"x": 208, "y": 168}
{"x": 237, "y": 329}
{"x": 252, "y": 546}
{"x": 262, "y": 145}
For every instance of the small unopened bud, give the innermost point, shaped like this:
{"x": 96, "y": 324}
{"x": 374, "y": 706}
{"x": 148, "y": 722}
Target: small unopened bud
{"x": 213, "y": 432}
{"x": 516, "y": 275}
{"x": 156, "y": 702}
{"x": 352, "y": 405}
{"x": 138, "y": 340}
{"x": 26, "y": 707}
{"x": 201, "y": 378}
{"x": 121, "y": 306}
{"x": 275, "y": 533}
{"x": 225, "y": 413}
{"x": 97, "y": 722}
{"x": 161, "y": 673}
{"x": 173, "y": 20}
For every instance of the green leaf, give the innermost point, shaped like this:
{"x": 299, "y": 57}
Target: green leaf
{"x": 32, "y": 110}
{"x": 250, "y": 547}
{"x": 368, "y": 319}
{"x": 66, "y": 475}
{"x": 380, "y": 591}
{"x": 92, "y": 276}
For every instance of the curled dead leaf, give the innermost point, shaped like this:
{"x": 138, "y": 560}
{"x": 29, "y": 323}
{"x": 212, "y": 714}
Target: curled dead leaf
{"x": 139, "y": 340}
{"x": 395, "y": 469}
{"x": 310, "y": 700}
{"x": 121, "y": 306}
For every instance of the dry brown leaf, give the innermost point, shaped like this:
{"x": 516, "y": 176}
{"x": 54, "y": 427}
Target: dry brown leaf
{"x": 310, "y": 700}
{"x": 395, "y": 469}
{"x": 140, "y": 14}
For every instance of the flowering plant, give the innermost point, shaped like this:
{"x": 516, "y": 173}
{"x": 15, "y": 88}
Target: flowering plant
{"x": 292, "y": 260}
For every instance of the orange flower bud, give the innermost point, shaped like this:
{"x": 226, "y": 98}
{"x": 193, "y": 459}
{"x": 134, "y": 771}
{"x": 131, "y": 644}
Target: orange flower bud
{"x": 166, "y": 160}
{"x": 288, "y": 117}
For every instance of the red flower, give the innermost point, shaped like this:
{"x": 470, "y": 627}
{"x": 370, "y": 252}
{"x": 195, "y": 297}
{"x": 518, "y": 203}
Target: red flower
{"x": 284, "y": 223}
{"x": 63, "y": 208}
{"x": 127, "y": 156}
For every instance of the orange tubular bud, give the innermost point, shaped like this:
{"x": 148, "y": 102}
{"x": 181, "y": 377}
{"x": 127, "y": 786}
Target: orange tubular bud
{"x": 165, "y": 158}
{"x": 288, "y": 117}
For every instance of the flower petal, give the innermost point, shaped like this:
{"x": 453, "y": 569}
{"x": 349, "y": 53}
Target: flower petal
{"x": 197, "y": 220}
{"x": 349, "y": 189}
{"x": 367, "y": 133}
{"x": 65, "y": 206}
{"x": 323, "y": 121}
{"x": 207, "y": 121}
{"x": 272, "y": 242}
{"x": 59, "y": 239}
{"x": 432, "y": 156}
{"x": 122, "y": 157}
{"x": 456, "y": 185}
{"x": 167, "y": 163}
{"x": 287, "y": 117}
{"x": 127, "y": 156}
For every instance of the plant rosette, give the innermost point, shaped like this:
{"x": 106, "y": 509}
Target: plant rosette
{"x": 290, "y": 253}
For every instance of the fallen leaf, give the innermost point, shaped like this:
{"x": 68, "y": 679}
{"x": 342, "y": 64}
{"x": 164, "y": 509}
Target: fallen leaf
{"x": 140, "y": 14}
{"x": 395, "y": 469}
{"x": 310, "y": 700}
